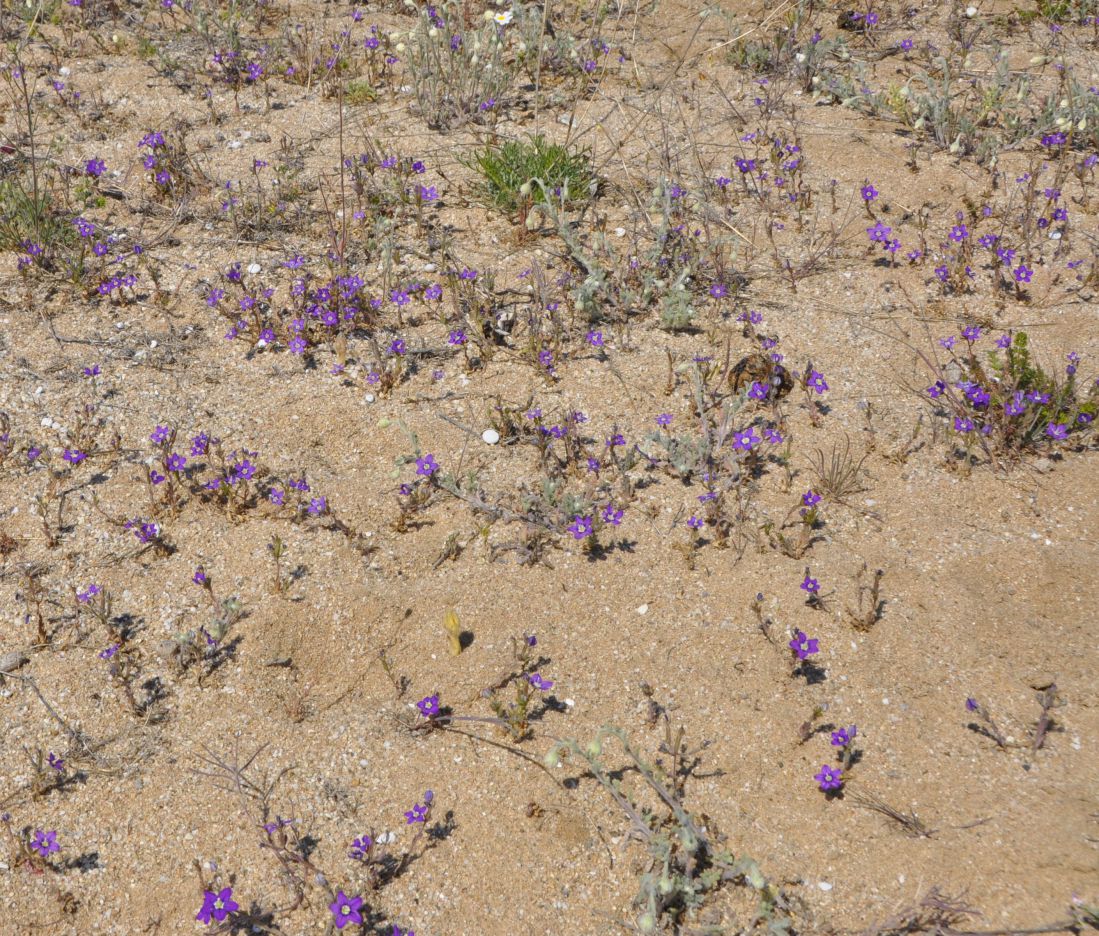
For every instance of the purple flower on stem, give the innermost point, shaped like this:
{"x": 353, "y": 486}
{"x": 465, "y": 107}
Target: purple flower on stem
{"x": 419, "y": 812}
{"x": 959, "y": 233}
{"x": 963, "y": 425}
{"x": 719, "y": 290}
{"x": 429, "y": 706}
{"x": 869, "y": 193}
{"x": 810, "y": 585}
{"x": 595, "y": 339}
{"x": 695, "y": 523}
{"x": 346, "y": 910}
{"x": 611, "y": 515}
{"x": 73, "y": 456}
{"x": 317, "y": 506}
{"x": 664, "y": 419}
{"x": 843, "y": 737}
{"x": 217, "y": 906}
{"x": 1016, "y": 406}
{"x": 580, "y": 527}
{"x": 57, "y": 763}
{"x": 810, "y": 498}
{"x": 936, "y": 390}
{"x": 971, "y": 333}
{"x": 1057, "y": 431}
{"x": 426, "y": 466}
{"x": 1023, "y": 273}
{"x": 456, "y": 337}
{"x": 745, "y": 441}
{"x": 45, "y": 843}
{"x": 879, "y": 233}
{"x": 803, "y": 646}
{"x": 360, "y": 848}
{"x": 90, "y": 592}
{"x": 109, "y": 652}
{"x": 542, "y": 685}
{"x": 829, "y": 778}
{"x": 160, "y": 435}
{"x": 972, "y": 705}
{"x": 176, "y": 462}
{"x": 757, "y": 391}
{"x": 816, "y": 382}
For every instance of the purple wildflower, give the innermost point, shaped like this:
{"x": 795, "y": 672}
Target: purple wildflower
{"x": 829, "y": 778}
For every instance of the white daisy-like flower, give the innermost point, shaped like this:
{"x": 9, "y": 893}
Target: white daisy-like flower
{"x": 504, "y": 18}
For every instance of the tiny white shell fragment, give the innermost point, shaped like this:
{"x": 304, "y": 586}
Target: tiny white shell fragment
{"x": 490, "y": 436}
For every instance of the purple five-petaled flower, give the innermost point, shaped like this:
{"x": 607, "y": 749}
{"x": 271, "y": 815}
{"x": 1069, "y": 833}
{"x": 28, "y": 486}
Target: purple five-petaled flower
{"x": 346, "y": 910}
{"x": 829, "y": 778}
{"x": 217, "y": 906}
{"x": 844, "y": 736}
{"x": 803, "y": 646}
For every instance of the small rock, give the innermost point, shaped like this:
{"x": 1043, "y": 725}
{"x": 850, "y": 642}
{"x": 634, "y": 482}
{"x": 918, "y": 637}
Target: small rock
{"x": 10, "y": 662}
{"x": 1043, "y": 465}
{"x": 1039, "y": 681}
{"x": 490, "y": 436}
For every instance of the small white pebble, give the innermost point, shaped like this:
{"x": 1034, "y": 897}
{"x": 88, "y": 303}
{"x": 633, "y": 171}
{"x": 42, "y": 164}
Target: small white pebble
{"x": 254, "y": 268}
{"x": 644, "y": 609}
{"x": 490, "y": 436}
{"x": 824, "y": 885}
{"x": 369, "y": 398}
{"x": 569, "y": 703}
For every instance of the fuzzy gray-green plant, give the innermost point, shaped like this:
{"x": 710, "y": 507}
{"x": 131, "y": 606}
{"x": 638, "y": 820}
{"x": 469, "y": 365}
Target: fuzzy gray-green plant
{"x": 687, "y": 867}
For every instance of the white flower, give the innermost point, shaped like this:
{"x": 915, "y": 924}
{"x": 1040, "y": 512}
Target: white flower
{"x": 504, "y": 18}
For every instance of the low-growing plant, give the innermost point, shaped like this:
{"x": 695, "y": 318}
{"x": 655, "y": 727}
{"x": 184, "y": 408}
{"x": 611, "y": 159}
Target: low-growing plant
{"x": 513, "y": 169}
{"x": 689, "y": 862}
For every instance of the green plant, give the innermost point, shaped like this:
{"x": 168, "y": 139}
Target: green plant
{"x": 26, "y": 218}
{"x": 510, "y": 171}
